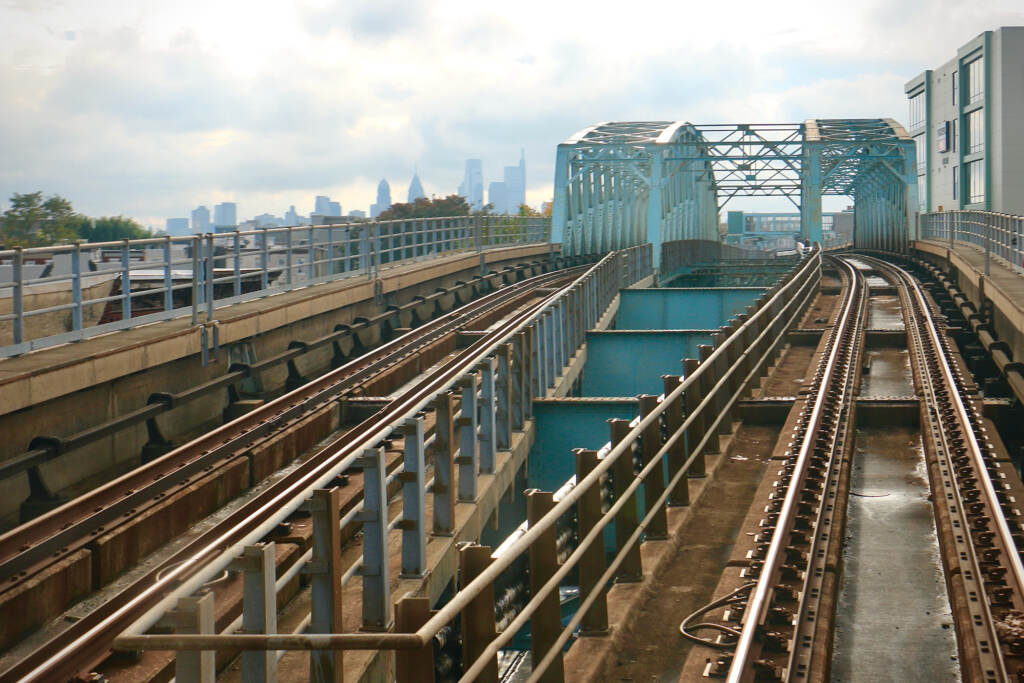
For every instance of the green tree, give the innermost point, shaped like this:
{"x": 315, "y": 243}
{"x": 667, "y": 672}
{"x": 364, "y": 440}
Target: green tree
{"x": 526, "y": 210}
{"x": 109, "y": 229}
{"x": 34, "y": 222}
{"x": 435, "y": 207}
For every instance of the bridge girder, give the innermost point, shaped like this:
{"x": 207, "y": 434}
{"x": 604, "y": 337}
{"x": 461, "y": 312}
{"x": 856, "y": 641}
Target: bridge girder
{"x": 624, "y": 183}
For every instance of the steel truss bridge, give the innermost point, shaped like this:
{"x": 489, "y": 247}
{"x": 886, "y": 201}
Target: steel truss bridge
{"x": 619, "y": 184}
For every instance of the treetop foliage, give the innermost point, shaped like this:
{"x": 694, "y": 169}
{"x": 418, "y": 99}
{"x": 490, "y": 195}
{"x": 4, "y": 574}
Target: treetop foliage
{"x": 435, "y": 207}
{"x": 33, "y": 221}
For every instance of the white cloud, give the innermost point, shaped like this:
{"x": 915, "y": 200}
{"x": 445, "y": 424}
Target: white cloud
{"x": 155, "y": 107}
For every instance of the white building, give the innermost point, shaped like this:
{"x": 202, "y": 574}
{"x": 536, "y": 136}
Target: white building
{"x": 383, "y": 202}
{"x": 225, "y": 215}
{"x": 966, "y": 119}
{"x": 201, "y": 219}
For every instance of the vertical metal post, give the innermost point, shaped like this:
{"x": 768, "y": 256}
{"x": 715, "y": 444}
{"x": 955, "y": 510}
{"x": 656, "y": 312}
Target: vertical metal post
{"x": 259, "y": 608}
{"x": 126, "y": 281}
{"x": 236, "y": 248}
{"x": 376, "y": 584}
{"x": 469, "y": 454}
{"x": 487, "y": 416}
{"x": 168, "y": 276}
{"x": 265, "y": 261}
{"x": 987, "y": 236}
{"x": 707, "y": 381}
{"x": 18, "y": 303}
{"x": 654, "y": 484}
{"x": 697, "y": 429}
{"x": 546, "y": 622}
{"x": 631, "y": 569}
{"x": 503, "y": 397}
{"x": 592, "y": 564}
{"x": 550, "y": 353}
{"x": 540, "y": 351}
{"x": 680, "y": 495}
{"x": 414, "y": 510}
{"x": 444, "y": 465}
{"x": 196, "y": 246}
{"x": 209, "y": 277}
{"x": 529, "y": 334}
{"x": 412, "y": 666}
{"x": 76, "y": 288}
{"x": 194, "y": 615}
{"x": 325, "y": 666}
{"x": 347, "y": 263}
{"x": 478, "y": 628}
{"x": 288, "y": 256}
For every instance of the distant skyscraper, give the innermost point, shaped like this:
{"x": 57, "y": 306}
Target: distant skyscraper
{"x": 497, "y": 197}
{"x": 515, "y": 184}
{"x": 415, "y": 188}
{"x": 320, "y": 204}
{"x": 225, "y": 215}
{"x": 177, "y": 227}
{"x": 293, "y": 218}
{"x": 356, "y": 213}
{"x": 201, "y": 219}
{"x": 383, "y": 199}
{"x": 266, "y": 220}
{"x": 472, "y": 187}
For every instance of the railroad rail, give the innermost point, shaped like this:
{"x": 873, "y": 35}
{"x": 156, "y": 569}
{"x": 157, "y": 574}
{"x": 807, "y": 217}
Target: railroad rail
{"x": 537, "y": 339}
{"x": 784, "y": 632}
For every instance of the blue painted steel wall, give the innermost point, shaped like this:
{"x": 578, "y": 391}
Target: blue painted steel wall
{"x": 627, "y": 363}
{"x": 682, "y": 309}
{"x": 564, "y": 425}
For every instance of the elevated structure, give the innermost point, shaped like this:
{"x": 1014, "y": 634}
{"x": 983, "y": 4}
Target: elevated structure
{"x": 619, "y": 184}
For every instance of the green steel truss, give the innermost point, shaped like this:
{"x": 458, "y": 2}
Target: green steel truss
{"x": 623, "y": 183}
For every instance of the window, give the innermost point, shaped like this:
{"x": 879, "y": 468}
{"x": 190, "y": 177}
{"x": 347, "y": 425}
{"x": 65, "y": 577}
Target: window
{"x": 975, "y": 81}
{"x": 956, "y": 84}
{"x": 917, "y": 111}
{"x": 920, "y": 145}
{"x": 956, "y": 182}
{"x": 975, "y": 176}
{"x": 975, "y": 131}
{"x": 952, "y": 135}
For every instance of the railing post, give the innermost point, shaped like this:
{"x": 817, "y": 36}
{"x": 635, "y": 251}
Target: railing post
{"x": 236, "y": 247}
{"x": 376, "y": 584}
{"x": 168, "y": 276}
{"x": 546, "y": 622}
{"x": 18, "y": 295}
{"x": 708, "y": 379}
{"x": 76, "y": 287}
{"x": 209, "y": 277}
{"x": 631, "y": 569}
{"x": 469, "y": 453}
{"x": 487, "y": 416}
{"x": 196, "y": 246}
{"x": 414, "y": 511}
{"x": 478, "y": 628}
{"x": 444, "y": 465}
{"x": 412, "y": 666}
{"x": 676, "y": 456}
{"x": 654, "y": 483}
{"x": 265, "y": 261}
{"x": 529, "y": 367}
{"x": 126, "y": 281}
{"x": 695, "y": 433}
{"x": 503, "y": 397}
{"x": 592, "y": 564}
{"x": 987, "y": 236}
{"x": 259, "y": 608}
{"x": 325, "y": 666}
{"x": 194, "y": 615}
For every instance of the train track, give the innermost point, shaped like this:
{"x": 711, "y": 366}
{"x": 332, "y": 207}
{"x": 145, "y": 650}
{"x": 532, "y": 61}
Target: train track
{"x": 60, "y": 532}
{"x": 786, "y": 607}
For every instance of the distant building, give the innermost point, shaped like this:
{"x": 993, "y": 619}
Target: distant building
{"x": 383, "y": 202}
{"x": 965, "y": 120}
{"x": 779, "y": 231}
{"x": 266, "y": 220}
{"x": 416, "y": 188}
{"x": 325, "y": 207}
{"x": 201, "y": 219}
{"x": 225, "y": 215}
{"x": 472, "y": 187}
{"x": 356, "y": 213}
{"x": 292, "y": 218}
{"x": 177, "y": 227}
{"x": 508, "y": 195}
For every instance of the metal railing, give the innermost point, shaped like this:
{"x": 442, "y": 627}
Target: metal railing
{"x": 669, "y": 440}
{"x": 107, "y": 286}
{"x": 998, "y": 235}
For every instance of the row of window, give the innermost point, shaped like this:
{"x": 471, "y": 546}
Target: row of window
{"x": 975, "y": 91}
{"x": 974, "y": 174}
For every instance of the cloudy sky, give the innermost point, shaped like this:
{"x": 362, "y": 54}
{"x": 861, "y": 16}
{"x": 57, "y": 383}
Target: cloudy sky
{"x": 148, "y": 108}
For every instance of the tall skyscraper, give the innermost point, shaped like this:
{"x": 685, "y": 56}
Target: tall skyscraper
{"x": 383, "y": 199}
{"x": 508, "y": 195}
{"x": 225, "y": 215}
{"x": 325, "y": 207}
{"x": 415, "y": 188}
{"x": 293, "y": 218}
{"x": 472, "y": 187}
{"x": 497, "y": 197}
{"x": 201, "y": 219}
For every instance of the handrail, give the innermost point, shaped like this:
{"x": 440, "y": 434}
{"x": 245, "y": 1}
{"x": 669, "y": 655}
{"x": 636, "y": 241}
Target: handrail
{"x": 998, "y": 235}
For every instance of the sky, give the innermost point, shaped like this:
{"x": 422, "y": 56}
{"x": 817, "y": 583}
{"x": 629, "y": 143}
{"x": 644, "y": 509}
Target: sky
{"x": 148, "y": 108}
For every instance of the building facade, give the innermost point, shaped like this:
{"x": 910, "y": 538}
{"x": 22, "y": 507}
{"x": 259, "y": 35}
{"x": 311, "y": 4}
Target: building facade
{"x": 201, "y": 219}
{"x": 225, "y": 215}
{"x": 966, "y": 120}
{"x": 472, "y": 187}
{"x": 415, "y": 189}
{"x": 780, "y": 231}
{"x": 508, "y": 195}
{"x": 383, "y": 202}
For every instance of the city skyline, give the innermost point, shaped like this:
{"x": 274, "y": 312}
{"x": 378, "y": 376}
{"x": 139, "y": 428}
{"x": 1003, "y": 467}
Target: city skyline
{"x": 148, "y": 109}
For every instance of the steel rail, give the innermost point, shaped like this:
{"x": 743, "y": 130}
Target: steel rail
{"x": 89, "y": 639}
{"x": 62, "y": 530}
{"x": 760, "y": 597}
